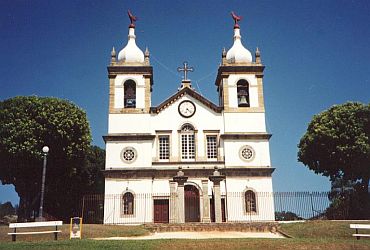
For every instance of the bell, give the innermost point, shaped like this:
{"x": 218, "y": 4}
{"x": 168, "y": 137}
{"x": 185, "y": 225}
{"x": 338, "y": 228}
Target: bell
{"x": 243, "y": 101}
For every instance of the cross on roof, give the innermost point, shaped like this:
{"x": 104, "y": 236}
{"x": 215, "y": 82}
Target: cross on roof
{"x": 185, "y": 69}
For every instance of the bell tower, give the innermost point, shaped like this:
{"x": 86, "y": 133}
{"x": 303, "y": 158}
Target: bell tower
{"x": 130, "y": 77}
{"x": 239, "y": 79}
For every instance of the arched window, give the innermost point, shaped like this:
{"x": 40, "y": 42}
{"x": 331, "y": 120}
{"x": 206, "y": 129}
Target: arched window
{"x": 243, "y": 93}
{"x": 130, "y": 94}
{"x": 250, "y": 201}
{"x": 187, "y": 142}
{"x": 127, "y": 203}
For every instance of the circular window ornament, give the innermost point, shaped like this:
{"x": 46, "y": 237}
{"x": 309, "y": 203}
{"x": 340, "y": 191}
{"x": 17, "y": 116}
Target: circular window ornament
{"x": 128, "y": 155}
{"x": 246, "y": 153}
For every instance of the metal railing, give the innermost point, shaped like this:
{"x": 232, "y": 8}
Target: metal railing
{"x": 236, "y": 207}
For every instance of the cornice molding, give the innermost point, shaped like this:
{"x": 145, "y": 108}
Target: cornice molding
{"x": 192, "y": 173}
{"x": 128, "y": 137}
{"x": 224, "y": 71}
{"x": 243, "y": 136}
{"x": 147, "y": 71}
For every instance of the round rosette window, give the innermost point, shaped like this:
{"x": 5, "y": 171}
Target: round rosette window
{"x": 128, "y": 154}
{"x": 246, "y": 153}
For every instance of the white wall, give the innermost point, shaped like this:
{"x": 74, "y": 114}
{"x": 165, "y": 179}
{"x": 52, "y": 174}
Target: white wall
{"x": 114, "y": 149}
{"x": 261, "y": 150}
{"x": 129, "y": 123}
{"x": 262, "y": 186}
{"x": 143, "y": 204}
{"x": 245, "y": 122}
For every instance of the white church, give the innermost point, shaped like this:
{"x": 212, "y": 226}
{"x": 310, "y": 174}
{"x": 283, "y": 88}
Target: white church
{"x": 187, "y": 159}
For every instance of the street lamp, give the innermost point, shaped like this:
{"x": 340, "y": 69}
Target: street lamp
{"x": 45, "y": 150}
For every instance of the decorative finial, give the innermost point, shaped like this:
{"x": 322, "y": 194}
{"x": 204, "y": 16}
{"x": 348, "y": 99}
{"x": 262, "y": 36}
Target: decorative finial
{"x": 180, "y": 172}
{"x": 223, "y": 59}
{"x": 258, "y": 56}
{"x": 146, "y": 56}
{"x": 216, "y": 172}
{"x": 236, "y": 19}
{"x": 133, "y": 19}
{"x": 113, "y": 56}
{"x": 223, "y": 52}
{"x": 146, "y": 53}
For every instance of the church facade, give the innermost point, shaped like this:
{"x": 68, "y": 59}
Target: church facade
{"x": 187, "y": 159}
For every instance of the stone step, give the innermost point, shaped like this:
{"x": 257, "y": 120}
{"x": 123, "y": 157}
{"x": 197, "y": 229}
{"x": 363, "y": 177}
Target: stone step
{"x": 198, "y": 227}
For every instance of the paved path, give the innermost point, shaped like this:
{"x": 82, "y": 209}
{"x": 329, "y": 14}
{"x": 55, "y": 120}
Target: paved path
{"x": 197, "y": 235}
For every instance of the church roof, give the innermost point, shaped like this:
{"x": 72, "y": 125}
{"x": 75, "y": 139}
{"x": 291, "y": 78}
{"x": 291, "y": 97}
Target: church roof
{"x": 181, "y": 93}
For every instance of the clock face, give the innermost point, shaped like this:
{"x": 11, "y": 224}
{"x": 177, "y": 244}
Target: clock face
{"x": 186, "y": 109}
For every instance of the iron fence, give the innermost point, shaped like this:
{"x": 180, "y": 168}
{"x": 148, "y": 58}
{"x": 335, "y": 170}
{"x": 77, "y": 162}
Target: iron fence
{"x": 235, "y": 206}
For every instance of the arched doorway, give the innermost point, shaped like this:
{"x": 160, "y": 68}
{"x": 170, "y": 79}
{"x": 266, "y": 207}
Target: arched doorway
{"x": 192, "y": 211}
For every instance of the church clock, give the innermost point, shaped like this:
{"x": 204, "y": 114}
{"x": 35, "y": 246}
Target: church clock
{"x": 187, "y": 109}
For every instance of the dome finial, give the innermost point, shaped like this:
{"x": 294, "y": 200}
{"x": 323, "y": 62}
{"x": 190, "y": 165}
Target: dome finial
{"x": 133, "y": 19}
{"x": 236, "y": 19}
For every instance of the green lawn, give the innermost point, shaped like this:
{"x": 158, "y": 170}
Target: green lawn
{"x": 308, "y": 235}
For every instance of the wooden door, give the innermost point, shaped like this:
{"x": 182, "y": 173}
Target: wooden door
{"x": 192, "y": 211}
{"x": 161, "y": 214}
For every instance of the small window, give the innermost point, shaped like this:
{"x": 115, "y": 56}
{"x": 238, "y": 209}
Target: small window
{"x": 250, "y": 202}
{"x": 243, "y": 93}
{"x": 164, "y": 147}
{"x": 129, "y": 94}
{"x": 127, "y": 206}
{"x": 211, "y": 146}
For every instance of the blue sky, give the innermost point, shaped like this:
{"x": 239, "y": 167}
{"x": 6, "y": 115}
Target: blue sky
{"x": 316, "y": 53}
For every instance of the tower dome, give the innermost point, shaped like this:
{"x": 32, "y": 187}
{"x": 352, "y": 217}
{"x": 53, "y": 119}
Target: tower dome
{"x": 131, "y": 53}
{"x": 237, "y": 53}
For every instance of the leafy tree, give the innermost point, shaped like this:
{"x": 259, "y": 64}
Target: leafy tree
{"x": 95, "y": 163}
{"x": 286, "y": 216}
{"x": 26, "y": 125}
{"x": 337, "y": 145}
{"x": 6, "y": 209}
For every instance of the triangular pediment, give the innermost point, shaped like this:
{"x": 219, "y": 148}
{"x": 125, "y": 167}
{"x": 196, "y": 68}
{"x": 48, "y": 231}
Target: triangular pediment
{"x": 190, "y": 92}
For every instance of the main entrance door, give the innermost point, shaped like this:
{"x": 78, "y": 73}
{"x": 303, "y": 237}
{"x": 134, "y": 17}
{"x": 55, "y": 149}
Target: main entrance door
{"x": 192, "y": 213}
{"x": 160, "y": 211}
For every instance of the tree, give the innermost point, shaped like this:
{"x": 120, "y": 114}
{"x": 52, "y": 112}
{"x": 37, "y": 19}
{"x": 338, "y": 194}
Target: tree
{"x": 337, "y": 145}
{"x": 6, "y": 209}
{"x": 287, "y": 216}
{"x": 26, "y": 125}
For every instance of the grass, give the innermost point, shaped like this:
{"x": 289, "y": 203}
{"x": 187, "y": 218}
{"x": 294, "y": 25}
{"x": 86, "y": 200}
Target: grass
{"x": 308, "y": 235}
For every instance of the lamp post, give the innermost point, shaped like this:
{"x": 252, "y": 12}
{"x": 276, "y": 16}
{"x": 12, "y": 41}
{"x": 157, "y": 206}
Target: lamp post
{"x": 45, "y": 150}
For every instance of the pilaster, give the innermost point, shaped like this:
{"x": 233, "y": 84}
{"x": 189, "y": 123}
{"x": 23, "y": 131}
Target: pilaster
{"x": 206, "y": 205}
{"x": 111, "y": 94}
{"x": 173, "y": 199}
{"x": 216, "y": 178}
{"x": 261, "y": 102}
{"x": 180, "y": 179}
